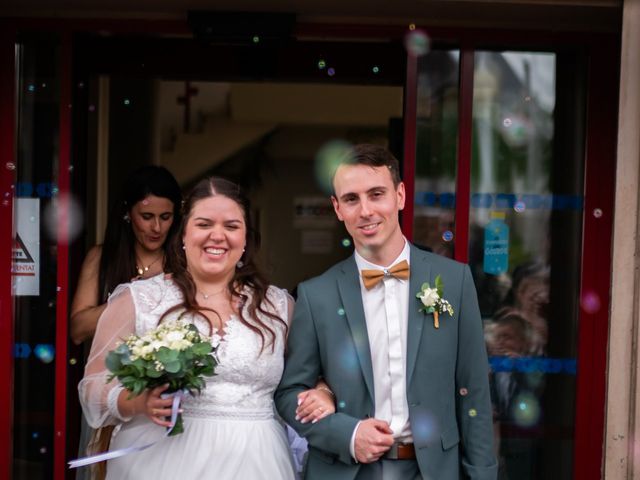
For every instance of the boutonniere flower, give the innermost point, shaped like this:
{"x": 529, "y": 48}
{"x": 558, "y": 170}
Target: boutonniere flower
{"x": 433, "y": 302}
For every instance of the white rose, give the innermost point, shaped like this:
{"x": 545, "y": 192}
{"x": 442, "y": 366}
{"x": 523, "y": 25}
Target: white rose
{"x": 146, "y": 350}
{"x": 429, "y": 297}
{"x": 157, "y": 345}
{"x": 173, "y": 336}
{"x": 180, "y": 345}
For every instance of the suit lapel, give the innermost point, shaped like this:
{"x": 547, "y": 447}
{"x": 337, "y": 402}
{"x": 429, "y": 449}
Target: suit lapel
{"x": 349, "y": 287}
{"x": 420, "y": 273}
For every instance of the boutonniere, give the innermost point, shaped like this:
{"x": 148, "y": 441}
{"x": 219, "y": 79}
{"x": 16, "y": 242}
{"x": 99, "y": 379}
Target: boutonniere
{"x": 433, "y": 302}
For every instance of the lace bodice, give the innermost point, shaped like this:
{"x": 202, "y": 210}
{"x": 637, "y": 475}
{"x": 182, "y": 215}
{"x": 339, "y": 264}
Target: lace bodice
{"x": 246, "y": 377}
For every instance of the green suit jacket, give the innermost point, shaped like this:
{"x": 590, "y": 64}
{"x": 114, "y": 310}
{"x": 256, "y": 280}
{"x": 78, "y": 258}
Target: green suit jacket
{"x": 447, "y": 372}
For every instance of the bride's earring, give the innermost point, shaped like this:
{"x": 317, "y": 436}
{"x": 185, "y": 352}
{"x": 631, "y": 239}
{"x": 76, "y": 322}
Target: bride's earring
{"x": 240, "y": 263}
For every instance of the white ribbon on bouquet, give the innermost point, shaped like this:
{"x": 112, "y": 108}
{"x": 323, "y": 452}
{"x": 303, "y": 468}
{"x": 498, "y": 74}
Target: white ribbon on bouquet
{"x": 81, "y": 462}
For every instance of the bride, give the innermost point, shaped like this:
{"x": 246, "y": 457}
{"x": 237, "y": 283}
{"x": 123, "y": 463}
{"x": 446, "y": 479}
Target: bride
{"x": 230, "y": 429}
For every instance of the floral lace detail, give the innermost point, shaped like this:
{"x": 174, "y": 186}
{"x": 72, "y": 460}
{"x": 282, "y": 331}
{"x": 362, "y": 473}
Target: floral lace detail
{"x": 246, "y": 377}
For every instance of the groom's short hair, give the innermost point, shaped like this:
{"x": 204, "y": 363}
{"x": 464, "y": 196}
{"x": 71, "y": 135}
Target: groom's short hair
{"x": 373, "y": 156}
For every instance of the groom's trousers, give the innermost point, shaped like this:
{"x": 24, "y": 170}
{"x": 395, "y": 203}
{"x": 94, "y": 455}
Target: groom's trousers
{"x": 390, "y": 470}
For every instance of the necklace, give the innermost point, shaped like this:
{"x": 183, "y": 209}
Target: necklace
{"x": 143, "y": 270}
{"x": 206, "y": 296}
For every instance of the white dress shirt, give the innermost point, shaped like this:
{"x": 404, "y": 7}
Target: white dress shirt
{"x": 386, "y": 312}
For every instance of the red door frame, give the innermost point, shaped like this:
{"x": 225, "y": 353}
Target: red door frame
{"x": 7, "y": 181}
{"x": 62, "y": 299}
{"x": 599, "y": 188}
{"x": 593, "y": 333}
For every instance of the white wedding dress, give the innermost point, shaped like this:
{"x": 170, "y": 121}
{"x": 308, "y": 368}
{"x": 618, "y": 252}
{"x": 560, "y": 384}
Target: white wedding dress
{"x": 230, "y": 428}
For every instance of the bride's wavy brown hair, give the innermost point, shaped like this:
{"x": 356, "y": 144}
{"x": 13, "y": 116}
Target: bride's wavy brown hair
{"x": 246, "y": 276}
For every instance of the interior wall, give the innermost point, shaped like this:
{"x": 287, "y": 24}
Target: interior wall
{"x": 266, "y": 136}
{"x": 301, "y": 234}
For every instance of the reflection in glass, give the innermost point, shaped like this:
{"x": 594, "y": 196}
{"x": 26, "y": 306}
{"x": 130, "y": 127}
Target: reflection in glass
{"x": 437, "y": 124}
{"x": 524, "y": 250}
{"x": 35, "y": 291}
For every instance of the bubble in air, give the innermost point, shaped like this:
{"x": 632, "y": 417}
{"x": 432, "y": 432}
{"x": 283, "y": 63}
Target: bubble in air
{"x": 342, "y": 404}
{"x": 331, "y": 71}
{"x": 327, "y": 160}
{"x": 45, "y": 353}
{"x": 43, "y": 450}
{"x": 126, "y": 102}
{"x": 507, "y": 122}
{"x": 31, "y": 88}
{"x": 464, "y": 392}
{"x": 417, "y": 43}
{"x": 424, "y": 425}
{"x": 520, "y": 206}
{"x": 590, "y": 302}
{"x": 63, "y": 218}
{"x": 10, "y": 165}
{"x": 72, "y": 361}
{"x": 525, "y": 410}
{"x": 473, "y": 412}
{"x": 597, "y": 212}
{"x": 346, "y": 243}
{"x": 341, "y": 311}
{"x": 255, "y": 39}
{"x": 375, "y": 69}
{"x": 322, "y": 64}
{"x": 447, "y": 235}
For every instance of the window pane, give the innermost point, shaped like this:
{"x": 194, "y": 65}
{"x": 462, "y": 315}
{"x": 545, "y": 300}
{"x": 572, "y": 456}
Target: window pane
{"x": 35, "y": 257}
{"x": 524, "y": 250}
{"x": 437, "y": 126}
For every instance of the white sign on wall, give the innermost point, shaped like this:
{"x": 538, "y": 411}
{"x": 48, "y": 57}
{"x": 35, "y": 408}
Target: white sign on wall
{"x": 25, "y": 257}
{"x": 313, "y": 212}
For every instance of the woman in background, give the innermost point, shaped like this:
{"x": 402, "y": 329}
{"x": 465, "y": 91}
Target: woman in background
{"x": 139, "y": 227}
{"x": 140, "y": 224}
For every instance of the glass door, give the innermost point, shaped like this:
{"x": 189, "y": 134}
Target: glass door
{"x": 525, "y": 237}
{"x": 521, "y": 116}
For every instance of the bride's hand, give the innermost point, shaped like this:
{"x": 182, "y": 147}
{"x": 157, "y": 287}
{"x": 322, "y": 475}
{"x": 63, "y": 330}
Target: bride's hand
{"x": 315, "y": 404}
{"x": 158, "y": 409}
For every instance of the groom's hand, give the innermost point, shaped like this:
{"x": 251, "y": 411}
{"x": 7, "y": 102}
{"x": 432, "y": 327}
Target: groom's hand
{"x": 373, "y": 439}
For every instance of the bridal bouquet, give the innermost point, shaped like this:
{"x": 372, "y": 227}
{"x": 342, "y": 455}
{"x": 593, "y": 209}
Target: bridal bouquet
{"x": 174, "y": 353}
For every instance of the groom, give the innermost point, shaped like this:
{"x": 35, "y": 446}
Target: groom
{"x": 411, "y": 388}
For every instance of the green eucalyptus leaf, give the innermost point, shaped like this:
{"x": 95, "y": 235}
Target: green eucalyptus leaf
{"x": 153, "y": 373}
{"x": 201, "y": 348}
{"x": 113, "y": 361}
{"x": 172, "y": 367}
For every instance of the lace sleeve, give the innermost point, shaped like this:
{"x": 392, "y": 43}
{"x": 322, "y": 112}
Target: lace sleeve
{"x": 98, "y": 398}
{"x": 282, "y": 302}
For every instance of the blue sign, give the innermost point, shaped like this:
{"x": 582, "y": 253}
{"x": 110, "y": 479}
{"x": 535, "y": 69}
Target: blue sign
{"x": 496, "y": 247}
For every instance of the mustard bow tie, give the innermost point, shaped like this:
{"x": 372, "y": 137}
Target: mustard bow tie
{"x": 371, "y": 278}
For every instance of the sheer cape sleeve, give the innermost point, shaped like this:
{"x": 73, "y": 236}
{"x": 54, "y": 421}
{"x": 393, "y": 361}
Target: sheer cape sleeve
{"x": 98, "y": 398}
